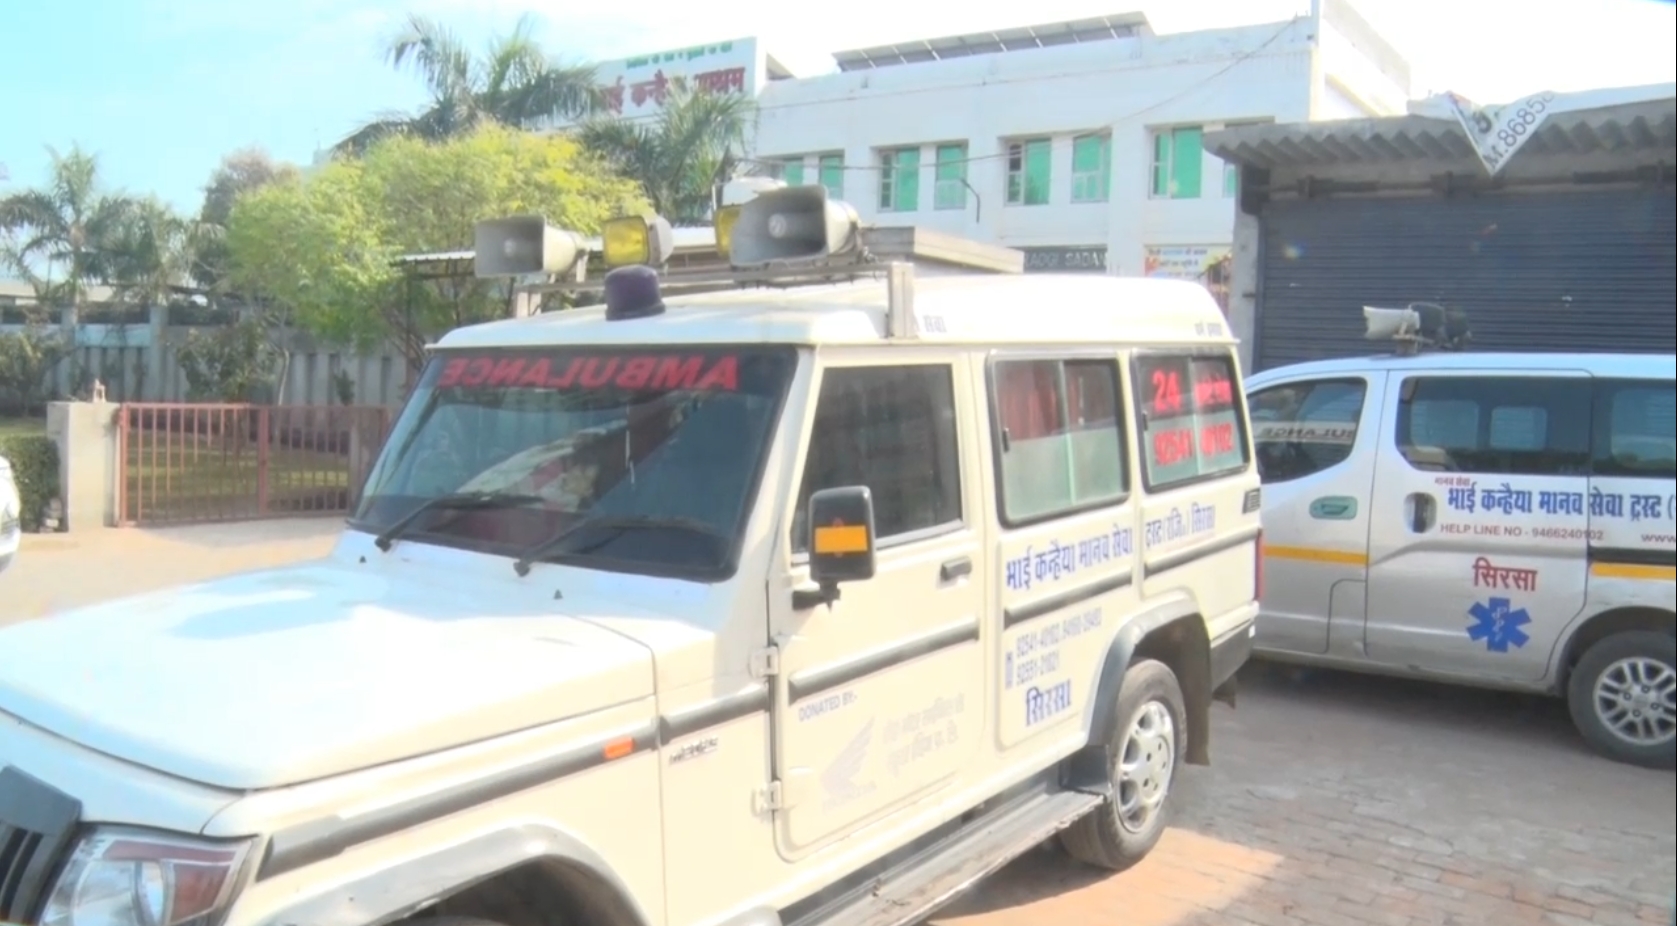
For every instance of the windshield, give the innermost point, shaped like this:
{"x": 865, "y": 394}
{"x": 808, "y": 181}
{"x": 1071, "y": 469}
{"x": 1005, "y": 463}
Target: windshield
{"x": 670, "y": 437}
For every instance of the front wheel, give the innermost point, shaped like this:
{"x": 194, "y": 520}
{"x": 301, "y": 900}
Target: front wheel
{"x": 1623, "y": 698}
{"x": 1148, "y": 742}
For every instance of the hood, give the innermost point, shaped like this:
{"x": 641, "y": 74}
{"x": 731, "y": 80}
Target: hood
{"x": 289, "y": 675}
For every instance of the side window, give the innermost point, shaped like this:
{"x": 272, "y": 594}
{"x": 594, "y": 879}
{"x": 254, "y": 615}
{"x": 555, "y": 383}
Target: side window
{"x": 891, "y": 429}
{"x": 1635, "y": 428}
{"x": 1191, "y": 422}
{"x": 1304, "y": 428}
{"x": 1060, "y": 444}
{"x": 1505, "y": 425}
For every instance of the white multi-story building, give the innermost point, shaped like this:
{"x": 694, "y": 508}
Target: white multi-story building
{"x": 1078, "y": 142}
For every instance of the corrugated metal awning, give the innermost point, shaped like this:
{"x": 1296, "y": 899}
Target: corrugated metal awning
{"x": 1643, "y": 126}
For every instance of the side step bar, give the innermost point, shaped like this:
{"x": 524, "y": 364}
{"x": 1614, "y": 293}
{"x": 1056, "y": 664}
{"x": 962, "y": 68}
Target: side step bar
{"x": 933, "y": 878}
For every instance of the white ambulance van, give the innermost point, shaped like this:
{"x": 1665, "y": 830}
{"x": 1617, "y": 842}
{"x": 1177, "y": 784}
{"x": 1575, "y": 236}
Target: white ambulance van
{"x": 1502, "y": 520}
{"x": 800, "y": 602}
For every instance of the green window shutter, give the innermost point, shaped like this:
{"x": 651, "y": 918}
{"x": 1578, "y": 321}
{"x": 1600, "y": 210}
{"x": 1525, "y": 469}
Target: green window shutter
{"x": 1037, "y": 161}
{"x": 1187, "y": 158}
{"x": 906, "y": 196}
{"x": 832, "y": 175}
{"x": 794, "y": 173}
{"x": 1090, "y": 168}
{"x": 1086, "y": 154}
{"x": 949, "y": 189}
{"x": 1231, "y": 180}
{"x": 1161, "y": 164}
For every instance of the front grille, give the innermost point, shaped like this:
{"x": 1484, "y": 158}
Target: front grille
{"x": 37, "y": 823}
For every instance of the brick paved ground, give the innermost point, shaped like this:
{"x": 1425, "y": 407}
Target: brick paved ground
{"x": 1338, "y": 800}
{"x": 1334, "y": 800}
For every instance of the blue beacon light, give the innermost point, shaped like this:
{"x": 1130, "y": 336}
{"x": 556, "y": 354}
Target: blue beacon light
{"x": 632, "y": 292}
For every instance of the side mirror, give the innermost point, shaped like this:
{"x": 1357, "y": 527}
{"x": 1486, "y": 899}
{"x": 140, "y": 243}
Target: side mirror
{"x": 840, "y": 538}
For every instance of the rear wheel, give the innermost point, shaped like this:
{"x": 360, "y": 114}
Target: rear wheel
{"x": 1623, "y": 698}
{"x": 1148, "y": 742}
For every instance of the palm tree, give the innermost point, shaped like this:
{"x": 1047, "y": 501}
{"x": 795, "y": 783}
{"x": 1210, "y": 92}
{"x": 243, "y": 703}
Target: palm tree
{"x": 514, "y": 82}
{"x": 680, "y": 156}
{"x": 62, "y": 234}
{"x": 153, "y": 253}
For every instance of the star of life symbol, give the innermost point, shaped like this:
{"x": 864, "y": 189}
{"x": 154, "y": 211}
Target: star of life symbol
{"x": 1497, "y": 623}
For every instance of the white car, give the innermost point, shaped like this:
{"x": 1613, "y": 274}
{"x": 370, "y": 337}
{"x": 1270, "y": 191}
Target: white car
{"x": 792, "y": 606}
{"x": 1494, "y": 519}
{"x": 11, "y": 514}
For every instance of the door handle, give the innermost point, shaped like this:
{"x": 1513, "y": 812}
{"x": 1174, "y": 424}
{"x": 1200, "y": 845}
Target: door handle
{"x": 1423, "y": 512}
{"x": 955, "y": 569}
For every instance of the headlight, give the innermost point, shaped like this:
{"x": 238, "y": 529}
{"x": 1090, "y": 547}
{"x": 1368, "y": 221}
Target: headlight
{"x": 127, "y": 877}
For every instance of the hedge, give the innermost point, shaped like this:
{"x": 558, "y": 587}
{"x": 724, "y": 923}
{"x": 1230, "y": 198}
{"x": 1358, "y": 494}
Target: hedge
{"x": 34, "y": 459}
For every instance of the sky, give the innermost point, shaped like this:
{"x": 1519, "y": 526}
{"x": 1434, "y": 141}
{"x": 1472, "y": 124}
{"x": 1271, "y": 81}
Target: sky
{"x": 161, "y": 89}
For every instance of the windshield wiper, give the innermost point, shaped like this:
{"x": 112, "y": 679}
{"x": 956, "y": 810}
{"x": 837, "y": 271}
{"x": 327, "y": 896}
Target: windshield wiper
{"x": 613, "y": 525}
{"x": 458, "y": 501}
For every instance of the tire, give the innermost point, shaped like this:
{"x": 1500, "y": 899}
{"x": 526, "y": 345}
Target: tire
{"x": 1632, "y": 673}
{"x": 1108, "y": 837}
{"x": 454, "y": 921}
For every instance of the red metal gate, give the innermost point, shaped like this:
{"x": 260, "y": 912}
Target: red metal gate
{"x": 195, "y": 463}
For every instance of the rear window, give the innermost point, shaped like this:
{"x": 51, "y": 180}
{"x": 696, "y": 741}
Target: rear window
{"x": 1191, "y": 420}
{"x": 1511, "y": 425}
{"x": 1636, "y": 429}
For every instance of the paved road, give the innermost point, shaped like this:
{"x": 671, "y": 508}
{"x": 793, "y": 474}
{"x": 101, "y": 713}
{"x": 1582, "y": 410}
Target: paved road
{"x": 1334, "y": 800}
{"x": 58, "y": 571}
{"x": 1337, "y": 800}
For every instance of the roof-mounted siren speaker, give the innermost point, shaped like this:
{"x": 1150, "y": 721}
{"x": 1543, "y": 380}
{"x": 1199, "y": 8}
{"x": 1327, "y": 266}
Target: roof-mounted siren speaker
{"x": 523, "y": 244}
{"x": 792, "y": 225}
{"x": 1391, "y": 324}
{"x": 1419, "y": 323}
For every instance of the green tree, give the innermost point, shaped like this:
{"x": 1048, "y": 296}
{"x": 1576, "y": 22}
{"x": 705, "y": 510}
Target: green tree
{"x": 323, "y": 248}
{"x": 514, "y": 82}
{"x": 232, "y": 363}
{"x": 239, "y": 173}
{"x": 680, "y": 157}
{"x": 26, "y": 359}
{"x": 151, "y": 252}
{"x": 61, "y": 234}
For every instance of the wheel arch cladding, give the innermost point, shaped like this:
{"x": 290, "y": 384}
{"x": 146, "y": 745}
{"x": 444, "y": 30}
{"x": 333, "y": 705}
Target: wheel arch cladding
{"x": 1175, "y": 635}
{"x": 1599, "y": 627}
{"x": 557, "y": 860}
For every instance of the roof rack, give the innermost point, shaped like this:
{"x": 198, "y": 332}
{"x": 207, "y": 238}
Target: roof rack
{"x": 1418, "y": 326}
{"x": 790, "y": 236}
{"x": 876, "y": 248}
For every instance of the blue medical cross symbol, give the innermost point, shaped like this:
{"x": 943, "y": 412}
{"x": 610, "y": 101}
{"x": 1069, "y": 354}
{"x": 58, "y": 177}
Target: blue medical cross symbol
{"x": 1497, "y": 622}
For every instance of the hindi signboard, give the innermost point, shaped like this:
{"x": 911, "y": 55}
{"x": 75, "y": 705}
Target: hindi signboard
{"x": 638, "y": 86}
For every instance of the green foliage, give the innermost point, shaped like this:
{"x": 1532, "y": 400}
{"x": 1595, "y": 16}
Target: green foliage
{"x": 26, "y": 358}
{"x": 68, "y": 227}
{"x": 34, "y": 459}
{"x": 238, "y": 174}
{"x": 513, "y": 82}
{"x": 343, "y": 385}
{"x": 233, "y": 364}
{"x": 680, "y": 156}
{"x": 322, "y": 248}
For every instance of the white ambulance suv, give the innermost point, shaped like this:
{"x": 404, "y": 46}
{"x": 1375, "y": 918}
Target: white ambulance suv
{"x": 794, "y": 605}
{"x": 1502, "y": 520}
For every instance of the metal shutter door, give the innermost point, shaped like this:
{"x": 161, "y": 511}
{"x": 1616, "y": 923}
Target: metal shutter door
{"x": 1567, "y": 271}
